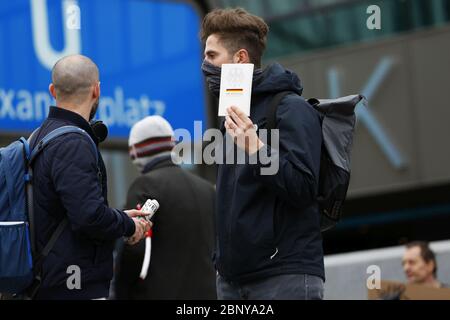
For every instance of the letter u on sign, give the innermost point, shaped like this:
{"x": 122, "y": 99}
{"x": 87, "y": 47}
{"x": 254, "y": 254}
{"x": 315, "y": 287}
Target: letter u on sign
{"x": 45, "y": 53}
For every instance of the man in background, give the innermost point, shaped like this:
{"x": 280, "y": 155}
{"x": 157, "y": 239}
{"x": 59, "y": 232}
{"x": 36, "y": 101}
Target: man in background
{"x": 183, "y": 235}
{"x": 420, "y": 266}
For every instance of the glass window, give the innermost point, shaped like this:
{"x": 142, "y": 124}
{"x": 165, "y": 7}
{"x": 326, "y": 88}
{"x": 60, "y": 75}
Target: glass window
{"x": 298, "y": 26}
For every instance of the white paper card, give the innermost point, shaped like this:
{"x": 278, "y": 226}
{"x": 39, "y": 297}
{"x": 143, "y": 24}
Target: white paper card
{"x": 236, "y": 87}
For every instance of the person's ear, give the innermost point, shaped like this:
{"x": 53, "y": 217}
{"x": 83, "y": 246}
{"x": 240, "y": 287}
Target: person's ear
{"x": 241, "y": 56}
{"x": 96, "y": 92}
{"x": 52, "y": 90}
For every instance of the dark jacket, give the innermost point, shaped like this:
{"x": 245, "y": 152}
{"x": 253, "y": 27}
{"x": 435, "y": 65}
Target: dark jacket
{"x": 67, "y": 184}
{"x": 269, "y": 224}
{"x": 183, "y": 237}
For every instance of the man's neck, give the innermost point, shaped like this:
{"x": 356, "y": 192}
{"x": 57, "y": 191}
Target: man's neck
{"x": 432, "y": 282}
{"x": 82, "y": 110}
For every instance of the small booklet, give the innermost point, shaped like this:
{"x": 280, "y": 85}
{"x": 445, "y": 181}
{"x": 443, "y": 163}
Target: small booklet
{"x": 236, "y": 87}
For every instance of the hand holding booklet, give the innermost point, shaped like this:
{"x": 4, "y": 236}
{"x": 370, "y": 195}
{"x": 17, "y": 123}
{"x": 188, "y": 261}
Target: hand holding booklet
{"x": 236, "y": 87}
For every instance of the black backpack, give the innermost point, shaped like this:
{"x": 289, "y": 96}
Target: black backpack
{"x": 337, "y": 117}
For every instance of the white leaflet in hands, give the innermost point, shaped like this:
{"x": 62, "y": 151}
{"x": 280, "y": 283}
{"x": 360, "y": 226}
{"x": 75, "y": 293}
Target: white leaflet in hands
{"x": 150, "y": 206}
{"x": 236, "y": 87}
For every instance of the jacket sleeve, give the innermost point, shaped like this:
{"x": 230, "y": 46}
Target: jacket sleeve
{"x": 75, "y": 177}
{"x": 295, "y": 164}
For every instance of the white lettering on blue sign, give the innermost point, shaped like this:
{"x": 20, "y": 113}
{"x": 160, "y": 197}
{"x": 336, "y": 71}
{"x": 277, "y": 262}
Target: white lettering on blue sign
{"x": 117, "y": 110}
{"x": 45, "y": 53}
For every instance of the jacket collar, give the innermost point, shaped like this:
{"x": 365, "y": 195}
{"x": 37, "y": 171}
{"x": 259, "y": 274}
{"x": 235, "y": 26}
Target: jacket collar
{"x": 74, "y": 118}
{"x": 159, "y": 162}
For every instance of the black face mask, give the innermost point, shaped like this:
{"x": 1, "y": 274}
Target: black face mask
{"x": 212, "y": 75}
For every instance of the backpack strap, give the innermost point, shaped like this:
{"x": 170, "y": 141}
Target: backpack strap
{"x": 33, "y": 289}
{"x": 56, "y": 133}
{"x": 271, "y": 112}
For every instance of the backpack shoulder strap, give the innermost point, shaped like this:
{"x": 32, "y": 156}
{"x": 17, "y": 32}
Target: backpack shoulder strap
{"x": 56, "y": 133}
{"x": 33, "y": 289}
{"x": 271, "y": 110}
{"x": 49, "y": 246}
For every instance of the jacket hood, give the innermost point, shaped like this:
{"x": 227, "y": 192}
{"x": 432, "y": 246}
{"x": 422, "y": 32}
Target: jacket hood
{"x": 276, "y": 78}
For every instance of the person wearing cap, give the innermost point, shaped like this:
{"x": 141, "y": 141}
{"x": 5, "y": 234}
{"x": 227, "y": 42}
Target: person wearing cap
{"x": 183, "y": 233}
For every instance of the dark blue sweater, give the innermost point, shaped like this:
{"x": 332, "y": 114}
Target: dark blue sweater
{"x": 67, "y": 184}
{"x": 269, "y": 224}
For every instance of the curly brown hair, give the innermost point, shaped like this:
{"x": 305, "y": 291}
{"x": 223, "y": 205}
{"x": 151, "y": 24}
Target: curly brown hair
{"x": 237, "y": 29}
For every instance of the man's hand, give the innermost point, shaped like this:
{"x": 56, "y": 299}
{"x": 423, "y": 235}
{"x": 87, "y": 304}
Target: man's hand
{"x": 241, "y": 128}
{"x": 133, "y": 213}
{"x": 141, "y": 225}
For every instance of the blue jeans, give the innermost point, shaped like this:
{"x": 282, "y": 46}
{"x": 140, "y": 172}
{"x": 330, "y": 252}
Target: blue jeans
{"x": 282, "y": 287}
